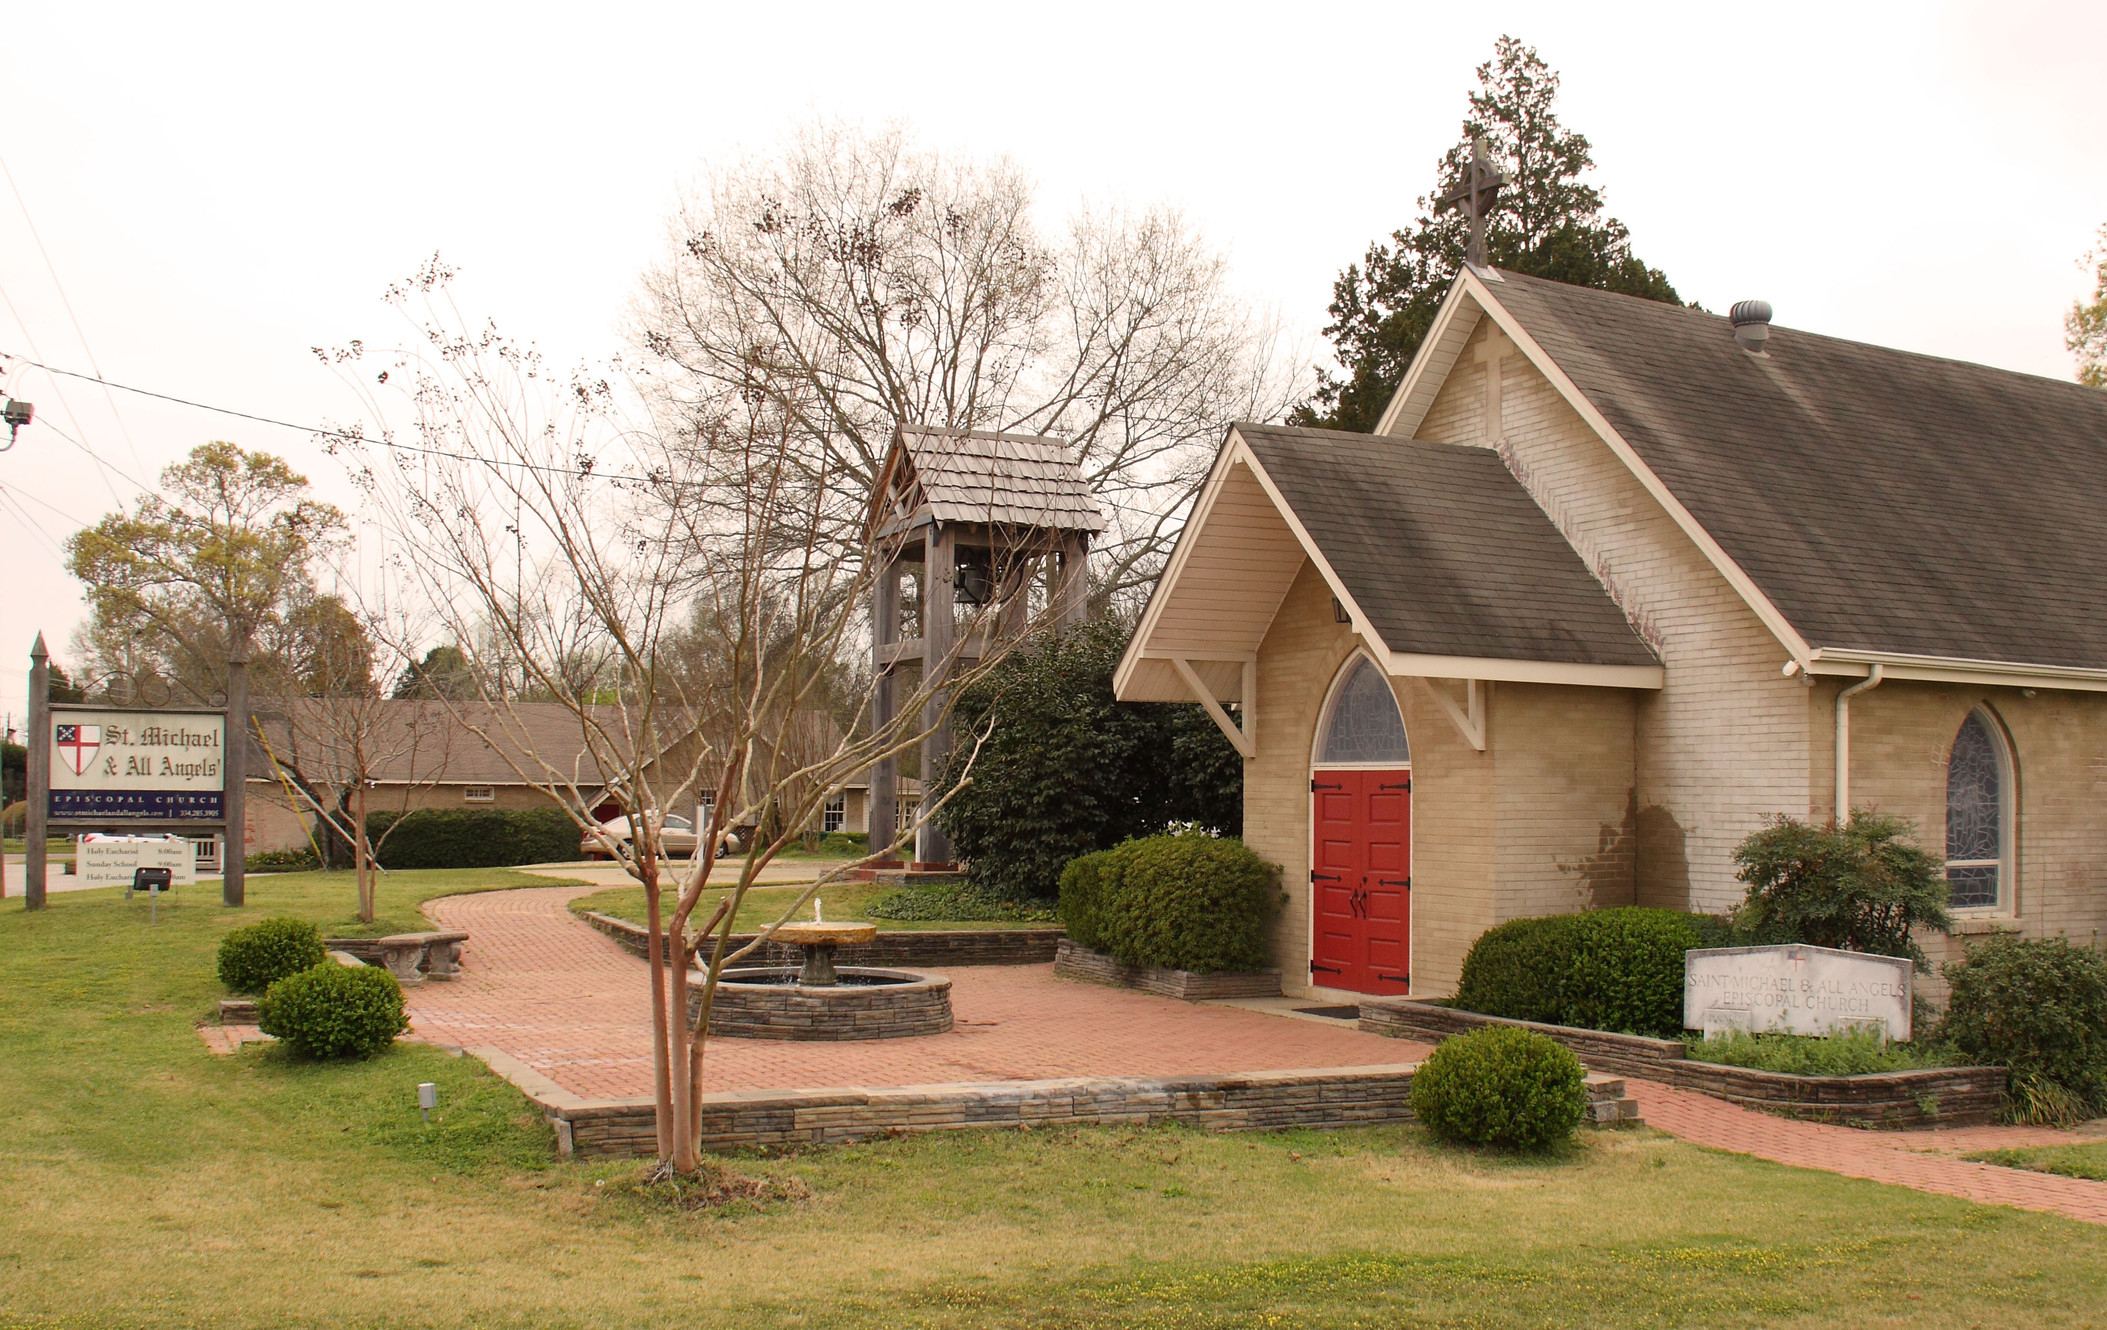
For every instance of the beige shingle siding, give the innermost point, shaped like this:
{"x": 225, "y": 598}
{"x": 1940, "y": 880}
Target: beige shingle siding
{"x": 1725, "y": 740}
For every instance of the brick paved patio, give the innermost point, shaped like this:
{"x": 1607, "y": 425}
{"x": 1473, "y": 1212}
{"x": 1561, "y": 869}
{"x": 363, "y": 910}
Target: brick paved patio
{"x": 571, "y": 1004}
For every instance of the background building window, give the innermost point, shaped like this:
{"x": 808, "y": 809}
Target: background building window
{"x": 836, "y": 814}
{"x": 1978, "y": 816}
{"x": 478, "y": 794}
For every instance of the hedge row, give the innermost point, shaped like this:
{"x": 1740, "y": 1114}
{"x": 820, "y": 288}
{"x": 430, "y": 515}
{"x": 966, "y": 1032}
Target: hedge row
{"x": 1618, "y": 969}
{"x": 1190, "y": 902}
{"x": 474, "y": 837}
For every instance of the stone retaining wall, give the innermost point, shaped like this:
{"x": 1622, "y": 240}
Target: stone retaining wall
{"x": 1937, "y": 1097}
{"x": 908, "y": 1010}
{"x": 937, "y": 948}
{"x": 1323, "y": 1098}
{"x": 1077, "y": 962}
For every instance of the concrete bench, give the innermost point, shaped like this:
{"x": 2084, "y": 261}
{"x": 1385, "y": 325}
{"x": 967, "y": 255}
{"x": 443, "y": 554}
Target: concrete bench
{"x": 415, "y": 957}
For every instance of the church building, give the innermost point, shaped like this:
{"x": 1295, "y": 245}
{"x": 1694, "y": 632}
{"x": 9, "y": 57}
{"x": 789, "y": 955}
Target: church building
{"x": 1613, "y": 582}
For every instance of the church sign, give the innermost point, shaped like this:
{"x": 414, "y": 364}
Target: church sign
{"x": 137, "y": 766}
{"x": 1795, "y": 990}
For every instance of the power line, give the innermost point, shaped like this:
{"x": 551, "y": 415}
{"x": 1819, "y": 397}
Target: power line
{"x": 336, "y": 433}
{"x": 67, "y": 301}
{"x": 64, "y": 405}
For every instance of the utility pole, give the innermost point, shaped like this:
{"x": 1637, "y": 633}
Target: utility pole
{"x": 234, "y": 854}
{"x": 39, "y": 793}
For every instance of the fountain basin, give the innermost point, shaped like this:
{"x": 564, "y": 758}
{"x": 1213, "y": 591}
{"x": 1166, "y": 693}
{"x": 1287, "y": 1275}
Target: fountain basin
{"x": 864, "y": 1002}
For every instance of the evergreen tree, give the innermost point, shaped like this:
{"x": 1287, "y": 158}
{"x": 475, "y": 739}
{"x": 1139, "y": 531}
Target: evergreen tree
{"x": 1547, "y": 223}
{"x": 1068, "y": 769}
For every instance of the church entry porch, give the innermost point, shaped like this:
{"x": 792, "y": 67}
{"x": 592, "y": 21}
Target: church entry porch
{"x": 1361, "y": 837}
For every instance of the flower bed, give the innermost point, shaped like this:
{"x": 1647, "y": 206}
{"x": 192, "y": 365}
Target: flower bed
{"x": 1937, "y": 1097}
{"x": 1094, "y": 967}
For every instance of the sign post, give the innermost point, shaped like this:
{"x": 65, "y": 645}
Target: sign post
{"x": 38, "y": 796}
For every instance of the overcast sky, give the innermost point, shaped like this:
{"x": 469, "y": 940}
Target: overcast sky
{"x": 221, "y": 188}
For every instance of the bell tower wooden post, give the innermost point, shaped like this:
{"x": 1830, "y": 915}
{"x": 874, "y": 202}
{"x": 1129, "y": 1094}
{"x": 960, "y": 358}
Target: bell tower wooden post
{"x": 884, "y": 807}
{"x": 939, "y": 643}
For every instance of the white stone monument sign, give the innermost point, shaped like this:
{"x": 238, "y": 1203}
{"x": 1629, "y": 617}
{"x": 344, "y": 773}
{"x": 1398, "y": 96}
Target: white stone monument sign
{"x": 1795, "y": 990}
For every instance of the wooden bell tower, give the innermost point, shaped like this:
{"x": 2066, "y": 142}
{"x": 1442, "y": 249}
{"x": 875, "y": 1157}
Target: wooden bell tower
{"x": 976, "y": 536}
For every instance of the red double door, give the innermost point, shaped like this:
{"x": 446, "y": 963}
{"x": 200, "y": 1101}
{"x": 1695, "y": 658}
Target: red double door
{"x": 1361, "y": 880}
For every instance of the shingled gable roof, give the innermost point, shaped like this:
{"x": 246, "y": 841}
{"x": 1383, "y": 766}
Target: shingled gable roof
{"x": 1443, "y": 551}
{"x": 1018, "y": 480}
{"x": 1445, "y": 566}
{"x": 1888, "y": 505}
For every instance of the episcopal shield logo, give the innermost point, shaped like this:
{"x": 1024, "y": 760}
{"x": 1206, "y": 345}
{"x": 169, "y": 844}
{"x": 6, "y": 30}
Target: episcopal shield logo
{"x": 77, "y": 744}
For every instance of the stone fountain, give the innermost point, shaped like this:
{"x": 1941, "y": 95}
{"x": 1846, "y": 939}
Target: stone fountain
{"x": 820, "y": 1001}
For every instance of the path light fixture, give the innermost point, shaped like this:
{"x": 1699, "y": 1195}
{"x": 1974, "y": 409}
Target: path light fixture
{"x": 427, "y": 1099}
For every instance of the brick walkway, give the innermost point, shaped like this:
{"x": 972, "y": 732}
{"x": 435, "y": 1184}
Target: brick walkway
{"x": 1917, "y": 1159}
{"x": 568, "y": 1002}
{"x": 573, "y": 1005}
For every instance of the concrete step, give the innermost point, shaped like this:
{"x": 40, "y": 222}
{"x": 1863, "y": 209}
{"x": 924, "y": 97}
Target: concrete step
{"x": 1607, "y": 1102}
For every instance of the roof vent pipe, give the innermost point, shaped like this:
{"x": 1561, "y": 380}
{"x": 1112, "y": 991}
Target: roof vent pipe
{"x": 1751, "y": 320}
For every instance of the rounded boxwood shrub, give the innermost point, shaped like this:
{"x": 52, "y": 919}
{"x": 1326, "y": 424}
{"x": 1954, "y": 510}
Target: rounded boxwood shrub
{"x": 1186, "y": 902}
{"x": 334, "y": 1011}
{"x": 2037, "y": 1006}
{"x": 1083, "y": 885}
{"x": 1618, "y": 969}
{"x": 1501, "y": 1086}
{"x": 251, "y": 959}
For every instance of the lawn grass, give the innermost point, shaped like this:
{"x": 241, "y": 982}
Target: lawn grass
{"x": 764, "y": 905}
{"x": 146, "y": 1182}
{"x": 2072, "y": 1161}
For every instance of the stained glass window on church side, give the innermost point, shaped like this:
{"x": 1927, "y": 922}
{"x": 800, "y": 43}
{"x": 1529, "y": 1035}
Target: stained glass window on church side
{"x": 1975, "y": 816}
{"x": 1365, "y": 726}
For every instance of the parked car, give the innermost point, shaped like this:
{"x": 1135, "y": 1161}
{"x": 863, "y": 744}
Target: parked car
{"x": 677, "y": 837}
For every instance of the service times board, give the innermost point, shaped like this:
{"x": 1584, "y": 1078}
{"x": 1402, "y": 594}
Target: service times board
{"x": 140, "y": 766}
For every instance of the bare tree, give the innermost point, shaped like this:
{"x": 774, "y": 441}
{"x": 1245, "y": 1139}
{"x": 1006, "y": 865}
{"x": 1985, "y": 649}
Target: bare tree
{"x": 851, "y": 282}
{"x": 335, "y": 754}
{"x": 527, "y": 505}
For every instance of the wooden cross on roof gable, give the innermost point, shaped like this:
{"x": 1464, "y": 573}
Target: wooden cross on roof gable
{"x": 1475, "y": 194}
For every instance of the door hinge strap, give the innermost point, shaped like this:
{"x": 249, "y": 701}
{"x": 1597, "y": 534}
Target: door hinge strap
{"x": 1328, "y": 969}
{"x": 1406, "y": 883}
{"x": 1315, "y": 786}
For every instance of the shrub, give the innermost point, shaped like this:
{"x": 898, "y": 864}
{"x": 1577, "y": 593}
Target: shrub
{"x": 334, "y": 1011}
{"x": 1068, "y": 769}
{"x": 283, "y": 861}
{"x": 1859, "y": 887}
{"x": 1083, "y": 886}
{"x": 958, "y": 900}
{"x": 251, "y": 959}
{"x": 473, "y": 837}
{"x": 1501, "y": 1086}
{"x": 1851, "y": 1053}
{"x": 2037, "y": 1006}
{"x": 1188, "y": 902}
{"x": 1618, "y": 969}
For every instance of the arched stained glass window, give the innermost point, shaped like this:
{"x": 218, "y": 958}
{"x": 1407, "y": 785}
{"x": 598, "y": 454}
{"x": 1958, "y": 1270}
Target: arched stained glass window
{"x": 1363, "y": 725}
{"x": 1978, "y": 835}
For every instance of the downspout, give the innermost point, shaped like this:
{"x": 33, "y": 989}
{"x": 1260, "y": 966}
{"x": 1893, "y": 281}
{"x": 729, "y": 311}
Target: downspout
{"x": 1843, "y": 741}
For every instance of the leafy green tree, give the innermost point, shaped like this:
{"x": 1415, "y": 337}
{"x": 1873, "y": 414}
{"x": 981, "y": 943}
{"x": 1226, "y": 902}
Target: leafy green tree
{"x": 1066, "y": 769}
{"x": 220, "y": 556}
{"x": 2085, "y": 327}
{"x": 1863, "y": 886}
{"x": 1547, "y": 223}
{"x": 445, "y": 673}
